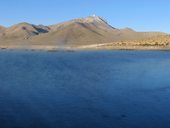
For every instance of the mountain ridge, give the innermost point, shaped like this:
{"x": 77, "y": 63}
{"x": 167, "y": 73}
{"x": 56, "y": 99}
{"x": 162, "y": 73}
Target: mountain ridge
{"x": 82, "y": 31}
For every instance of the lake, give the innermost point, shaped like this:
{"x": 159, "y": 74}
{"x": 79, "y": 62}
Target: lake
{"x": 84, "y": 89}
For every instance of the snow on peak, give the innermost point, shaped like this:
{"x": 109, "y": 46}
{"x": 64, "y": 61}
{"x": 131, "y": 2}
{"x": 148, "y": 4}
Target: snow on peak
{"x": 95, "y": 18}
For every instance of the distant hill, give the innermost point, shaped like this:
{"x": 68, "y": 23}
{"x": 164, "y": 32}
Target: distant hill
{"x": 23, "y": 31}
{"x": 83, "y": 31}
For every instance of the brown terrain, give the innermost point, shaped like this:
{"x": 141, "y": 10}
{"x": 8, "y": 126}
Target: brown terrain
{"x": 90, "y": 32}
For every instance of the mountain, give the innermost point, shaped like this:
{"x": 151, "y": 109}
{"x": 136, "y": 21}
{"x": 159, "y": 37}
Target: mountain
{"x": 23, "y": 31}
{"x": 77, "y": 32}
{"x": 86, "y": 31}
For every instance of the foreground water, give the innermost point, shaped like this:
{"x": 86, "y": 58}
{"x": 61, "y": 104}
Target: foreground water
{"x": 104, "y": 89}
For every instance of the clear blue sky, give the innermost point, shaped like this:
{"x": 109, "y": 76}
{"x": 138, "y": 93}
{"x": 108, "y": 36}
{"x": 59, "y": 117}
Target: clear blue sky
{"x": 141, "y": 15}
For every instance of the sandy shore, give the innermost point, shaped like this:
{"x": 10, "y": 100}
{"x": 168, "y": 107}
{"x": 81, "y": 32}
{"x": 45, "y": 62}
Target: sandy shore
{"x": 108, "y": 46}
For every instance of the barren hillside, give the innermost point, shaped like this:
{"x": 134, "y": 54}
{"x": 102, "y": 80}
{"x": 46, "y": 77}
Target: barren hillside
{"x": 78, "y": 32}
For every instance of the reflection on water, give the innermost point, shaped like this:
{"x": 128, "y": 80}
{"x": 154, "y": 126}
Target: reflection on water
{"x": 120, "y": 89}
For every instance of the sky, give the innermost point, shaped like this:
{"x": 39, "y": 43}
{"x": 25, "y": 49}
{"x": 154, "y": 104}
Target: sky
{"x": 141, "y": 15}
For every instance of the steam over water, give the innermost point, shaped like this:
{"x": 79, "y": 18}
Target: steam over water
{"x": 99, "y": 89}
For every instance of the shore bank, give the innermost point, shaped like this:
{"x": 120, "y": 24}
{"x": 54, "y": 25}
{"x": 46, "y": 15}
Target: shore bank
{"x": 107, "y": 46}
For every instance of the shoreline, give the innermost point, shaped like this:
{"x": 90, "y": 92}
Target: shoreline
{"x": 94, "y": 47}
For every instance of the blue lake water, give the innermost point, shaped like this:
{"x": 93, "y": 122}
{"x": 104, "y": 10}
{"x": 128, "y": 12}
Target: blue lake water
{"x": 97, "y": 89}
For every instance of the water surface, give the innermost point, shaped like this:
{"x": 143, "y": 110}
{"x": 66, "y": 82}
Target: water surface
{"x": 99, "y": 89}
